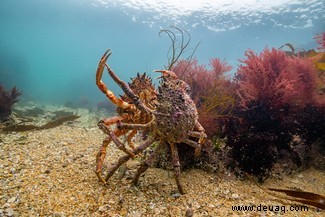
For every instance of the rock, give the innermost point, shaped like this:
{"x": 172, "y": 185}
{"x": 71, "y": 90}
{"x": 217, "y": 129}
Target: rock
{"x": 11, "y": 200}
{"x": 176, "y": 195}
{"x": 211, "y": 206}
{"x": 135, "y": 214}
{"x": 65, "y": 164}
{"x": 103, "y": 208}
{"x": 12, "y": 170}
{"x": 9, "y": 211}
{"x": 300, "y": 176}
{"x": 189, "y": 212}
{"x": 6, "y": 205}
{"x": 58, "y": 214}
{"x": 235, "y": 196}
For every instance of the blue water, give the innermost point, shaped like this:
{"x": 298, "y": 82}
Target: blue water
{"x": 50, "y": 49}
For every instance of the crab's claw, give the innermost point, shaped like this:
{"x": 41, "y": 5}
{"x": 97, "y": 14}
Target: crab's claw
{"x": 100, "y": 70}
{"x": 167, "y": 74}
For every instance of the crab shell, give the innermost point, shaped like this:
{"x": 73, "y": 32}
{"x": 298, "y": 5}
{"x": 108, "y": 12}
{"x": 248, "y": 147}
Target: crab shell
{"x": 174, "y": 100}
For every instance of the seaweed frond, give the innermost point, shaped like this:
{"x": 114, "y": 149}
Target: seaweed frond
{"x": 59, "y": 121}
{"x": 304, "y": 197}
{"x": 49, "y": 125}
{"x": 7, "y": 99}
{"x": 178, "y": 46}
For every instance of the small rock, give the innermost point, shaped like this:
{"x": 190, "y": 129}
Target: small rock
{"x": 300, "y": 176}
{"x": 189, "y": 211}
{"x": 9, "y": 211}
{"x": 103, "y": 208}
{"x": 16, "y": 159}
{"x": 211, "y": 206}
{"x": 235, "y": 196}
{"x": 295, "y": 181}
{"x": 12, "y": 170}
{"x": 6, "y": 205}
{"x": 11, "y": 200}
{"x": 135, "y": 214}
{"x": 176, "y": 195}
{"x": 65, "y": 164}
{"x": 57, "y": 214}
{"x": 80, "y": 155}
{"x": 159, "y": 210}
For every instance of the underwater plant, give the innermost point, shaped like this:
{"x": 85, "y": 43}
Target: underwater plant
{"x": 7, "y": 99}
{"x": 275, "y": 91}
{"x": 180, "y": 40}
{"x": 317, "y": 57}
{"x": 211, "y": 90}
{"x": 275, "y": 79}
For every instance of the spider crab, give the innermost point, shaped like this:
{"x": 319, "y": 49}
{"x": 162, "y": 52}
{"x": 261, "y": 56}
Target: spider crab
{"x": 168, "y": 116}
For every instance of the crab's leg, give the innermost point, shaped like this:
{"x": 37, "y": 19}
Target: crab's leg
{"x": 200, "y": 134}
{"x": 100, "y": 157}
{"x": 195, "y": 145}
{"x": 114, "y": 120}
{"x": 130, "y": 137}
{"x": 128, "y": 91}
{"x": 110, "y": 95}
{"x": 102, "y": 152}
{"x": 200, "y": 128}
{"x": 146, "y": 164}
{"x": 176, "y": 165}
{"x": 122, "y": 125}
{"x": 119, "y": 144}
{"x": 125, "y": 158}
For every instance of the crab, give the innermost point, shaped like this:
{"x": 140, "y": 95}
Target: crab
{"x": 167, "y": 116}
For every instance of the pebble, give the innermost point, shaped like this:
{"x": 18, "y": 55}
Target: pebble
{"x": 211, "y": 206}
{"x": 11, "y": 200}
{"x": 235, "y": 196}
{"x": 103, "y": 208}
{"x": 12, "y": 170}
{"x": 300, "y": 176}
{"x": 135, "y": 214}
{"x": 65, "y": 164}
{"x": 6, "y": 205}
{"x": 176, "y": 195}
{"x": 189, "y": 212}
{"x": 9, "y": 211}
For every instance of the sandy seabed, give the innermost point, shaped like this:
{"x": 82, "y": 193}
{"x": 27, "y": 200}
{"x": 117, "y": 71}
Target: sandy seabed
{"x": 51, "y": 173}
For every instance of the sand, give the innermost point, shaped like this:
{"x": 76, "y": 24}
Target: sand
{"x": 51, "y": 173}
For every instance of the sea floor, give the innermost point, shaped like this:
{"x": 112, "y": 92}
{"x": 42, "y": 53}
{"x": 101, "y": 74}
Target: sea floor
{"x": 51, "y": 173}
